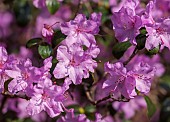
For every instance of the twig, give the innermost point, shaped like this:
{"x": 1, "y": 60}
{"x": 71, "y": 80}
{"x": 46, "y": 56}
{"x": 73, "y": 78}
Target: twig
{"x": 7, "y": 94}
{"x": 88, "y": 94}
{"x": 3, "y": 101}
{"x": 131, "y": 57}
{"x": 113, "y": 99}
{"x": 103, "y": 99}
{"x": 89, "y": 8}
{"x": 78, "y": 7}
{"x": 69, "y": 92}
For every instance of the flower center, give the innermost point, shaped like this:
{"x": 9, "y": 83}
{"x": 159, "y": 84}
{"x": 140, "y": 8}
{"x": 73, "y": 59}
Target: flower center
{"x": 45, "y": 96}
{"x": 25, "y": 75}
{"x": 1, "y": 65}
{"x": 160, "y": 30}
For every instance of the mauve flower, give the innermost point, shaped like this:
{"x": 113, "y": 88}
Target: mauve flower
{"x": 70, "y": 117}
{"x": 76, "y": 64}
{"x": 41, "y": 3}
{"x": 47, "y": 32}
{"x": 80, "y": 30}
{"x": 123, "y": 82}
{"x": 115, "y": 5}
{"x": 126, "y": 25}
{"x": 3, "y": 59}
{"x": 158, "y": 35}
{"x": 147, "y": 19}
{"x": 6, "y": 62}
{"x": 161, "y": 9}
{"x": 42, "y": 74}
{"x": 143, "y": 74}
{"x": 99, "y": 118}
{"x": 119, "y": 82}
{"x": 63, "y": 14}
{"x": 154, "y": 62}
{"x": 47, "y": 97}
{"x": 23, "y": 75}
{"x": 129, "y": 108}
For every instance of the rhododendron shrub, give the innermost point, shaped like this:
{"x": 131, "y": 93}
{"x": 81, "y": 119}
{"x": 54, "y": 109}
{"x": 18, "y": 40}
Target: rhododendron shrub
{"x": 84, "y": 61}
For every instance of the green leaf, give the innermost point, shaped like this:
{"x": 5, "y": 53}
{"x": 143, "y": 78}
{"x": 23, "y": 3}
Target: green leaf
{"x": 150, "y": 106}
{"x": 90, "y": 109}
{"x": 141, "y": 40}
{"x": 44, "y": 51}
{"x": 143, "y": 31}
{"x": 33, "y": 42}
{"x": 120, "y": 48}
{"x": 154, "y": 51}
{"x": 54, "y": 63}
{"x": 52, "y": 6}
{"x": 57, "y": 38}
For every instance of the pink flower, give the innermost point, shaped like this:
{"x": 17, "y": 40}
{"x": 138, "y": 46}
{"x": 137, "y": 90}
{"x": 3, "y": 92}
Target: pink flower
{"x": 147, "y": 19}
{"x": 47, "y": 32}
{"x": 80, "y": 30}
{"x": 143, "y": 74}
{"x": 129, "y": 108}
{"x": 158, "y": 35}
{"x": 123, "y": 82}
{"x": 41, "y": 3}
{"x": 6, "y": 62}
{"x": 126, "y": 25}
{"x": 47, "y": 97}
{"x": 23, "y": 75}
{"x": 119, "y": 82}
{"x": 70, "y": 117}
{"x": 76, "y": 64}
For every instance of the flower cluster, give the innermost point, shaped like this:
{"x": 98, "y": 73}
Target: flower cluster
{"x": 34, "y": 82}
{"x": 72, "y": 76}
{"x": 128, "y": 83}
{"x": 128, "y": 20}
{"x": 76, "y": 64}
{"x": 73, "y": 65}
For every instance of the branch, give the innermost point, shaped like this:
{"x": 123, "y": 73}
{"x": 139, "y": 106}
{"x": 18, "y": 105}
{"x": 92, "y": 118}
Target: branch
{"x": 131, "y": 57}
{"x": 88, "y": 94}
{"x": 8, "y": 94}
{"x": 3, "y": 101}
{"x": 78, "y": 7}
{"x": 113, "y": 99}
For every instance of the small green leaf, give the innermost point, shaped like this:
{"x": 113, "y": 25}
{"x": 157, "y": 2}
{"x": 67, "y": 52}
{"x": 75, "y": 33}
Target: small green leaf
{"x": 52, "y": 6}
{"x": 44, "y": 51}
{"x": 143, "y": 31}
{"x": 120, "y": 48}
{"x": 33, "y": 42}
{"x": 141, "y": 40}
{"x": 54, "y": 63}
{"x": 57, "y": 38}
{"x": 90, "y": 109}
{"x": 150, "y": 106}
{"x": 154, "y": 51}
